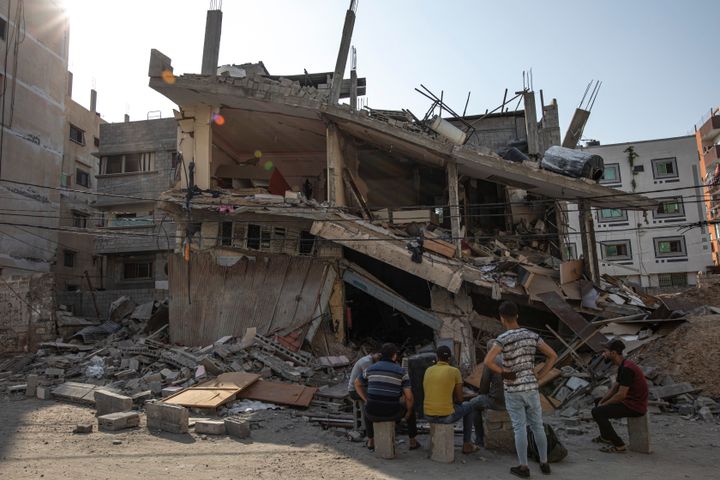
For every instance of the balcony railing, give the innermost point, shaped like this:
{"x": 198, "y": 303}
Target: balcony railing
{"x": 711, "y": 128}
{"x": 712, "y": 154}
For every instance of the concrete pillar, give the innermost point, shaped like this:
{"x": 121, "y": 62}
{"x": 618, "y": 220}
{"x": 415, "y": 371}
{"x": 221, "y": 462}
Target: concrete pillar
{"x": 589, "y": 246}
{"x": 196, "y": 143}
{"x": 454, "y": 203}
{"x": 127, "y": 118}
{"x": 442, "y": 442}
{"x": 353, "y": 90}
{"x": 93, "y": 100}
{"x": 384, "y": 439}
{"x": 531, "y": 123}
{"x": 335, "y": 166}
{"x": 211, "y": 49}
{"x": 343, "y": 53}
{"x": 69, "y": 84}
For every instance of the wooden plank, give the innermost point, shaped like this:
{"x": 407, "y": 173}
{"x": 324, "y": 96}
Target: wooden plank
{"x": 571, "y": 271}
{"x": 268, "y": 299}
{"x": 290, "y": 296}
{"x": 280, "y": 393}
{"x": 572, "y": 319}
{"x": 440, "y": 247}
{"x": 213, "y": 393}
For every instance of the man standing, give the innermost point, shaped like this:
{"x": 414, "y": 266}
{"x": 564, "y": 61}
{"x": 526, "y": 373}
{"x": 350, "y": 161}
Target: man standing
{"x": 385, "y": 389}
{"x": 522, "y": 397}
{"x": 442, "y": 385}
{"x": 360, "y": 366}
{"x": 492, "y": 395}
{"x": 627, "y": 398}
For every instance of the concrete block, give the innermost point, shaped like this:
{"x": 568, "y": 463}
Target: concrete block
{"x": 166, "y": 417}
{"x": 118, "y": 421}
{"x": 54, "y": 372}
{"x": 237, "y": 428}
{"x": 639, "y": 433}
{"x": 110, "y": 402}
{"x": 31, "y": 381}
{"x": 155, "y": 387}
{"x": 495, "y": 416}
{"x": 152, "y": 377}
{"x": 43, "y": 393}
{"x": 210, "y": 427}
{"x": 134, "y": 364}
{"x": 442, "y": 442}
{"x": 497, "y": 431}
{"x": 167, "y": 391}
{"x": 140, "y": 397}
{"x": 83, "y": 428}
{"x": 384, "y": 439}
{"x": 669, "y": 391}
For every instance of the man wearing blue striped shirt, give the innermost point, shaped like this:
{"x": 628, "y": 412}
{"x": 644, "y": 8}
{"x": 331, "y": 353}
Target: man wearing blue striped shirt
{"x": 385, "y": 389}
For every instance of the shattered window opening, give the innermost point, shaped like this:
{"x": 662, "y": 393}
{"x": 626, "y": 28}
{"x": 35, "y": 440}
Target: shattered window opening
{"x": 77, "y": 135}
{"x": 672, "y": 279}
{"x": 665, "y": 168}
{"x": 137, "y": 270}
{"x": 670, "y": 247}
{"x": 613, "y": 214}
{"x": 670, "y": 207}
{"x": 69, "y": 258}
{"x": 619, "y": 250}
{"x": 611, "y": 174}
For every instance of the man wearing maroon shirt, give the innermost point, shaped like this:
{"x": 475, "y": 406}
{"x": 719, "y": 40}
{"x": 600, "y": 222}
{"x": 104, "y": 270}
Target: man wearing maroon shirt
{"x": 627, "y": 398}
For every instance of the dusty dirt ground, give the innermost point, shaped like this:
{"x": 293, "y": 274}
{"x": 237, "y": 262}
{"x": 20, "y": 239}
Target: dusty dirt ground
{"x": 690, "y": 353}
{"x": 36, "y": 442}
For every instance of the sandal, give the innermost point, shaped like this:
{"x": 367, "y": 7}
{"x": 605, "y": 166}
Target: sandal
{"x": 370, "y": 447}
{"x": 613, "y": 449}
{"x": 474, "y": 449}
{"x": 600, "y": 439}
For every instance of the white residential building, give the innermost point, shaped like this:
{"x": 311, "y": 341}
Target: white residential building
{"x": 655, "y": 248}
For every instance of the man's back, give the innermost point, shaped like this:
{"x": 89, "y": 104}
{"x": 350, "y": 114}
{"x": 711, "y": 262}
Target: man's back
{"x": 518, "y": 349}
{"x": 385, "y": 383}
{"x": 438, "y": 385}
{"x": 360, "y": 366}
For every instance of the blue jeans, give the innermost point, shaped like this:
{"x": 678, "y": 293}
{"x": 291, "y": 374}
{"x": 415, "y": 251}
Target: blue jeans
{"x": 466, "y": 411}
{"x": 484, "y": 403}
{"x": 525, "y": 410}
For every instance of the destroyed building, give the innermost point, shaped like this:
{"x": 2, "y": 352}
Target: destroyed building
{"x": 313, "y": 221}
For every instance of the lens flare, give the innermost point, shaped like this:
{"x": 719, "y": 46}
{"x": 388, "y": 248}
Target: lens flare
{"x": 168, "y": 77}
{"x": 218, "y": 119}
{"x": 268, "y": 165}
{"x": 258, "y": 154}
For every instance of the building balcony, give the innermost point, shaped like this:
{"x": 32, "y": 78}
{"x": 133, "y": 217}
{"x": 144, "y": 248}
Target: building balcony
{"x": 712, "y": 154}
{"x": 138, "y": 239}
{"x": 711, "y": 128}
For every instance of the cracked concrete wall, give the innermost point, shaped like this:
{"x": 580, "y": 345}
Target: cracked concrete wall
{"x": 27, "y": 308}
{"x": 34, "y": 138}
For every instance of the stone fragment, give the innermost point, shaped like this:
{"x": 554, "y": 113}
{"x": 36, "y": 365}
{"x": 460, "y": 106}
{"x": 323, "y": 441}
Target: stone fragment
{"x": 118, "y": 421}
{"x": 31, "y": 381}
{"x": 43, "y": 393}
{"x": 210, "y": 427}
{"x": 237, "y": 428}
{"x": 167, "y": 417}
{"x": 83, "y": 428}
{"x": 111, "y": 402}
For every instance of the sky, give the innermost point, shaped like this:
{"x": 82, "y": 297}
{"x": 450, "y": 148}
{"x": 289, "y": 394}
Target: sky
{"x": 657, "y": 59}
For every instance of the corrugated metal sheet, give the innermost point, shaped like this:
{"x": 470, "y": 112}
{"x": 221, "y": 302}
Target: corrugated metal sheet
{"x": 278, "y": 294}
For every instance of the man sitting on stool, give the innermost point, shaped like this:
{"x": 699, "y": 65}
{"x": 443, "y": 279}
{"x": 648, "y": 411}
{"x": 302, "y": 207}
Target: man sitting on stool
{"x": 385, "y": 389}
{"x": 627, "y": 398}
{"x": 442, "y": 385}
{"x": 492, "y": 395}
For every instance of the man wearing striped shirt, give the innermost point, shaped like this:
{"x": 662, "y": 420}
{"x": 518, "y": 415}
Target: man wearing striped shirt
{"x": 385, "y": 389}
{"x": 522, "y": 397}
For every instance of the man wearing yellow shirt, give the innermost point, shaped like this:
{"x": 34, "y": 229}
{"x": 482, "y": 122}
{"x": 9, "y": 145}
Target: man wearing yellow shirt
{"x": 442, "y": 386}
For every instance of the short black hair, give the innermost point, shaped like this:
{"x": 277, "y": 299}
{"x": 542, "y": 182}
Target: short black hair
{"x": 443, "y": 353}
{"x": 388, "y": 350}
{"x": 616, "y": 346}
{"x": 508, "y": 310}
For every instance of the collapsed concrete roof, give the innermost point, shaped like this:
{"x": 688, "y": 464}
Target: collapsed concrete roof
{"x": 304, "y": 112}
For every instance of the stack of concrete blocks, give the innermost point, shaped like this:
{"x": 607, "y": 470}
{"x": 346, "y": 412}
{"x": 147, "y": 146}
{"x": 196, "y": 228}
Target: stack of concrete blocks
{"x": 113, "y": 411}
{"x": 498, "y": 432}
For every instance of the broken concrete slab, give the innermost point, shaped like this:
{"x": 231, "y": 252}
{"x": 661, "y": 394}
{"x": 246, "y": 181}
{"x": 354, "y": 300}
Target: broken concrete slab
{"x": 76, "y": 392}
{"x": 670, "y": 391}
{"x": 237, "y": 428}
{"x": 167, "y": 417}
{"x": 120, "y": 308}
{"x": 210, "y": 427}
{"x": 111, "y": 402}
{"x": 118, "y": 421}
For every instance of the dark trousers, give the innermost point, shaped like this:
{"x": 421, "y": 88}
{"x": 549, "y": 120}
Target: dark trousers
{"x": 402, "y": 410}
{"x": 602, "y": 416}
{"x": 357, "y": 398}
